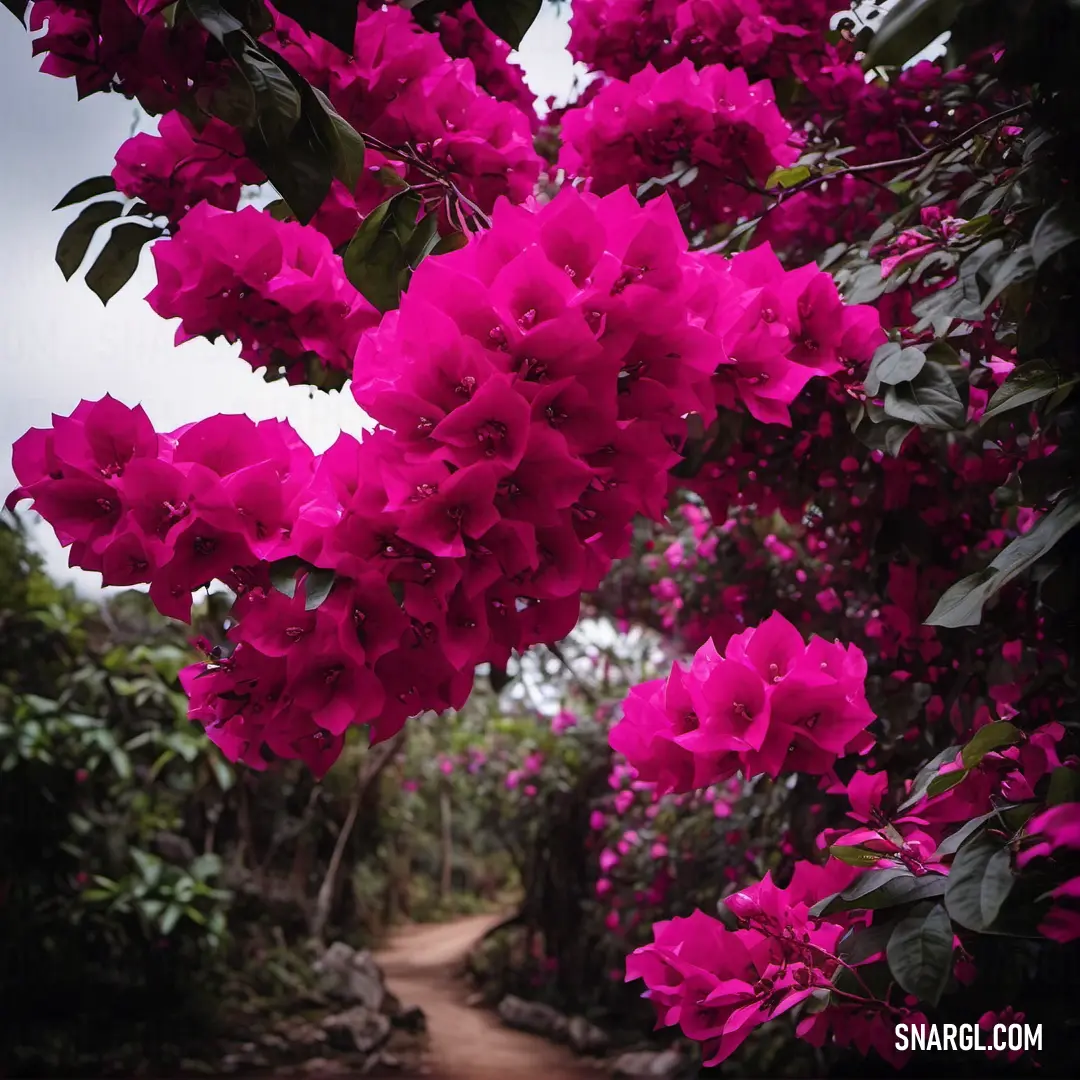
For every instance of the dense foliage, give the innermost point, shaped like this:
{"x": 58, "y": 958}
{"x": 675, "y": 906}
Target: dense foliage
{"x": 801, "y": 398}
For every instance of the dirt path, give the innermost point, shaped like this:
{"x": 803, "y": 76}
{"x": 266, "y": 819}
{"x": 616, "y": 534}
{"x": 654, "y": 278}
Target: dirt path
{"x": 422, "y": 964}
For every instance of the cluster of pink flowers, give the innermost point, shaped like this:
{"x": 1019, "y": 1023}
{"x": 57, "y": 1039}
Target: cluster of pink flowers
{"x": 618, "y": 37}
{"x": 180, "y": 166}
{"x": 718, "y": 984}
{"x": 530, "y": 388}
{"x": 780, "y": 329}
{"x": 466, "y": 37}
{"x": 274, "y": 286}
{"x": 771, "y": 704}
{"x": 402, "y": 87}
{"x": 723, "y": 133}
{"x": 120, "y": 45}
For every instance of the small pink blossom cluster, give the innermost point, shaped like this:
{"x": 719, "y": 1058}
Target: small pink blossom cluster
{"x": 180, "y": 166}
{"x": 120, "y": 45}
{"x": 619, "y": 37}
{"x": 771, "y": 704}
{"x": 274, "y": 286}
{"x": 718, "y": 984}
{"x": 466, "y": 37}
{"x": 781, "y": 328}
{"x": 1056, "y": 833}
{"x": 723, "y": 134}
{"x": 402, "y": 87}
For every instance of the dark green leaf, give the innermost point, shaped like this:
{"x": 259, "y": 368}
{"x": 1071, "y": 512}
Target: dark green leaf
{"x": 317, "y": 586}
{"x": 855, "y": 856}
{"x": 952, "y": 842}
{"x": 334, "y": 20}
{"x": 76, "y": 239}
{"x": 962, "y": 604}
{"x": 424, "y": 240}
{"x": 277, "y": 101}
{"x": 926, "y": 775}
{"x": 1064, "y": 786}
{"x": 119, "y": 259}
{"x": 279, "y": 210}
{"x": 862, "y": 942}
{"x": 980, "y": 880}
{"x": 451, "y": 242}
{"x": 343, "y": 142}
{"x": 1026, "y": 384}
{"x": 510, "y": 19}
{"x": 920, "y": 950}
{"x": 907, "y": 29}
{"x": 883, "y": 889}
{"x": 891, "y": 365}
{"x": 87, "y": 189}
{"x": 930, "y": 400}
{"x": 375, "y": 260}
{"x": 986, "y": 739}
{"x": 1017, "y": 266}
{"x": 283, "y": 574}
{"x": 1055, "y": 231}
{"x": 215, "y": 20}
{"x": 945, "y": 782}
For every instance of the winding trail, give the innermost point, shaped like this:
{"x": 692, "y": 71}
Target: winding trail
{"x": 422, "y": 965}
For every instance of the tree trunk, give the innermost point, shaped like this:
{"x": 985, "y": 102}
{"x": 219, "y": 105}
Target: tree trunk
{"x": 369, "y": 770}
{"x": 446, "y": 885}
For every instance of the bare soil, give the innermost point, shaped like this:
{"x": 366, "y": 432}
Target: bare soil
{"x": 423, "y": 965}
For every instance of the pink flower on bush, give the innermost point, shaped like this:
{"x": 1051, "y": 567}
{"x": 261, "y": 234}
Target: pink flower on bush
{"x": 772, "y": 704}
{"x": 731, "y": 130}
{"x": 180, "y": 166}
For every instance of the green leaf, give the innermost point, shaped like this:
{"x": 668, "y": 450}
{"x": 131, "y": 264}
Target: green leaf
{"x": 279, "y": 210}
{"x": 980, "y": 880}
{"x": 343, "y": 142}
{"x": 926, "y": 775}
{"x": 119, "y": 259}
{"x": 883, "y": 889}
{"x": 375, "y": 260}
{"x": 862, "y": 942}
{"x": 510, "y": 19}
{"x": 920, "y": 950}
{"x": 1064, "y": 786}
{"x": 907, "y": 29}
{"x": 87, "y": 189}
{"x": 930, "y": 400}
{"x": 891, "y": 365}
{"x": 283, "y": 574}
{"x": 786, "y": 178}
{"x": 1055, "y": 231}
{"x": 334, "y": 20}
{"x": 277, "y": 101}
{"x": 989, "y": 738}
{"x": 855, "y": 856}
{"x": 1017, "y": 266}
{"x": 1025, "y": 384}
{"x": 77, "y": 237}
{"x": 215, "y": 20}
{"x": 454, "y": 241}
{"x": 170, "y": 917}
{"x": 945, "y": 782}
{"x": 962, "y": 604}
{"x": 317, "y": 586}
{"x": 424, "y": 240}
{"x": 952, "y": 842}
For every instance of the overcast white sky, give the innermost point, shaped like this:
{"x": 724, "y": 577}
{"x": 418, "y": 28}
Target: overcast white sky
{"x": 58, "y": 344}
